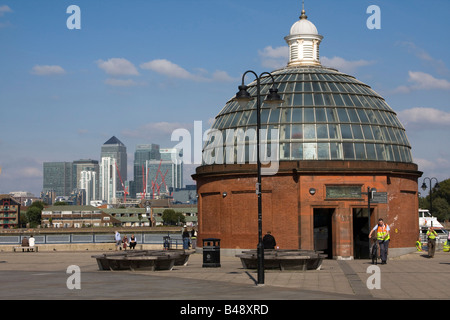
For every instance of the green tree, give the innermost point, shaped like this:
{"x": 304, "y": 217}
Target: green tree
{"x": 171, "y": 217}
{"x": 34, "y": 216}
{"x": 441, "y": 200}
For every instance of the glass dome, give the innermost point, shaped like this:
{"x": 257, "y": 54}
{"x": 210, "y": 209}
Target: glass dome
{"x": 326, "y": 115}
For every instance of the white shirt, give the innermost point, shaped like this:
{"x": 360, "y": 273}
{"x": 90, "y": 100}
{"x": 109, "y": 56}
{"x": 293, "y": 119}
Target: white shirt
{"x": 31, "y": 242}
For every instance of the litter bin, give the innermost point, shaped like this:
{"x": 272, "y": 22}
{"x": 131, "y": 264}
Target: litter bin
{"x": 211, "y": 253}
{"x": 166, "y": 240}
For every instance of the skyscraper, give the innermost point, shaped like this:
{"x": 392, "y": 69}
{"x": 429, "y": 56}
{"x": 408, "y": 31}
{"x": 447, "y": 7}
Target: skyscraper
{"x": 143, "y": 153}
{"x": 114, "y": 148}
{"x": 166, "y": 174}
{"x": 83, "y": 165}
{"x": 58, "y": 177}
{"x": 108, "y": 180}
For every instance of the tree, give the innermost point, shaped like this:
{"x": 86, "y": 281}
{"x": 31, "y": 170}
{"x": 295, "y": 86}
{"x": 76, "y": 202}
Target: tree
{"x": 34, "y": 216}
{"x": 171, "y": 217}
{"x": 441, "y": 200}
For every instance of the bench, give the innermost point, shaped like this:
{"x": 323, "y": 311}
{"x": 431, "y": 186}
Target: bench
{"x": 26, "y": 249}
{"x": 152, "y": 260}
{"x": 283, "y": 259}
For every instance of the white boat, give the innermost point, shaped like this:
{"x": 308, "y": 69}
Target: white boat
{"x": 426, "y": 220}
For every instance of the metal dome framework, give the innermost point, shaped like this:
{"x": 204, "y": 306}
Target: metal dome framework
{"x": 326, "y": 115}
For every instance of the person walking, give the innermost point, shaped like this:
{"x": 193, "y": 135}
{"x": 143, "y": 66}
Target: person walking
{"x": 431, "y": 234}
{"x": 269, "y": 241}
{"x": 118, "y": 239}
{"x": 186, "y": 238}
{"x": 383, "y": 238}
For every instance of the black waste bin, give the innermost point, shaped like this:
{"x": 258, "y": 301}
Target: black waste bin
{"x": 166, "y": 240}
{"x": 211, "y": 253}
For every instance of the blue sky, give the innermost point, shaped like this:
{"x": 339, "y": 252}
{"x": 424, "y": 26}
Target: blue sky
{"x": 140, "y": 69}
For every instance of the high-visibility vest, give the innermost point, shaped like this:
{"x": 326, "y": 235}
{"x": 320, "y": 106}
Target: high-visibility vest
{"x": 382, "y": 232}
{"x": 431, "y": 234}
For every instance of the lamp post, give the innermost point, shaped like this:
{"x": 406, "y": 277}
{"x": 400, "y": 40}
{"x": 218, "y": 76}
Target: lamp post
{"x": 424, "y": 187}
{"x": 274, "y": 100}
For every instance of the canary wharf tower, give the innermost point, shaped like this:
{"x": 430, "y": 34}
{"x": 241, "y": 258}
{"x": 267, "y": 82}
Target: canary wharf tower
{"x": 337, "y": 140}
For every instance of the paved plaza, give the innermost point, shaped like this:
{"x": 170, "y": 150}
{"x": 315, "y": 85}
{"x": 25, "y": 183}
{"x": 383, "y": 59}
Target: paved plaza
{"x": 43, "y": 275}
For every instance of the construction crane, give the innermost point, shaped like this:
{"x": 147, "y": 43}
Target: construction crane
{"x": 125, "y": 190}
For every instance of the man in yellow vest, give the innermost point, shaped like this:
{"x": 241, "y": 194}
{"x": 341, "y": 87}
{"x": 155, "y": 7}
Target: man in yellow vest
{"x": 431, "y": 234}
{"x": 383, "y": 238}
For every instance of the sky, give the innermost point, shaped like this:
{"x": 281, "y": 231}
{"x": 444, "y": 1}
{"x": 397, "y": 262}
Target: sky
{"x": 139, "y": 69}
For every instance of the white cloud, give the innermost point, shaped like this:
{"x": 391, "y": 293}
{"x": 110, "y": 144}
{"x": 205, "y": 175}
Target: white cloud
{"x": 118, "y": 67}
{"x": 172, "y": 70}
{"x": 167, "y": 68}
{"x": 4, "y": 9}
{"x": 422, "y": 81}
{"x": 346, "y": 66}
{"x": 157, "y": 132}
{"x": 274, "y": 58}
{"x": 424, "y": 118}
{"x": 47, "y": 70}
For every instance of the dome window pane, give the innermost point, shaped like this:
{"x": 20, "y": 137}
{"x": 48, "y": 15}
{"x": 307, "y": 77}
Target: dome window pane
{"x": 290, "y": 87}
{"x": 298, "y": 99}
{"x": 381, "y": 153}
{"x": 342, "y": 113}
{"x": 396, "y": 153}
{"x": 360, "y": 151}
{"x": 275, "y": 116}
{"x": 367, "y": 132}
{"x": 298, "y": 87}
{"x": 332, "y": 129}
{"x": 323, "y": 151}
{"x": 287, "y": 99}
{"x": 327, "y": 100}
{"x": 347, "y": 101}
{"x": 349, "y": 153}
{"x": 357, "y": 132}
{"x": 338, "y": 100}
{"x": 236, "y": 119}
{"x": 316, "y": 87}
{"x": 371, "y": 154}
{"x": 310, "y": 151}
{"x": 309, "y": 115}
{"x": 356, "y": 101}
{"x": 331, "y": 114}
{"x": 309, "y": 131}
{"x": 320, "y": 115}
{"x": 346, "y": 131}
{"x": 318, "y": 99}
{"x": 297, "y": 114}
{"x": 352, "y": 114}
{"x": 362, "y": 115}
{"x": 286, "y": 115}
{"x": 322, "y": 131}
{"x": 297, "y": 150}
{"x": 308, "y": 99}
{"x": 307, "y": 87}
{"x": 335, "y": 151}
{"x": 264, "y": 115}
{"x": 297, "y": 132}
{"x": 333, "y": 87}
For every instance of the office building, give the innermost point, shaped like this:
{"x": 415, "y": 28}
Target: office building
{"x": 114, "y": 148}
{"x": 58, "y": 177}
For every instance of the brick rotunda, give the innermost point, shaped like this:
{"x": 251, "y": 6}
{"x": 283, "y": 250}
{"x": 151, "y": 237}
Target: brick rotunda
{"x": 335, "y": 139}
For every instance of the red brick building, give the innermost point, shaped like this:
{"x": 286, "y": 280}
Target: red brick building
{"x": 334, "y": 138}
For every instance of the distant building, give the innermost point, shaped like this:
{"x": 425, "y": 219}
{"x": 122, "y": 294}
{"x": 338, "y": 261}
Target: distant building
{"x": 166, "y": 174}
{"x": 114, "y": 148}
{"x": 143, "y": 153}
{"x": 58, "y": 177}
{"x": 83, "y": 180}
{"x": 76, "y": 217}
{"x": 108, "y": 179}
{"x": 9, "y": 212}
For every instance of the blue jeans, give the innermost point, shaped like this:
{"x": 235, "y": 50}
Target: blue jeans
{"x": 185, "y": 243}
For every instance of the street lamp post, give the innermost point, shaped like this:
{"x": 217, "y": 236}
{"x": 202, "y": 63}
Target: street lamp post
{"x": 424, "y": 187}
{"x": 273, "y": 99}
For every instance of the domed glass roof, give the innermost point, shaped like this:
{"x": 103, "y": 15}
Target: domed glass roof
{"x": 326, "y": 115}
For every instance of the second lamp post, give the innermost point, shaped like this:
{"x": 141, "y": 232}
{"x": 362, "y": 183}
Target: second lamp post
{"x": 274, "y": 100}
